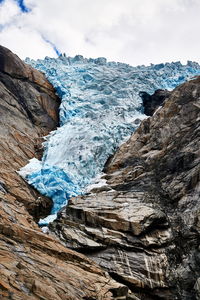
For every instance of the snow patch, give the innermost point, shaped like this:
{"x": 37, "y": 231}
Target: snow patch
{"x": 34, "y": 165}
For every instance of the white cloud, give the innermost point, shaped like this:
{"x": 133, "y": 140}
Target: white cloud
{"x": 25, "y": 43}
{"x": 8, "y": 10}
{"x": 132, "y": 31}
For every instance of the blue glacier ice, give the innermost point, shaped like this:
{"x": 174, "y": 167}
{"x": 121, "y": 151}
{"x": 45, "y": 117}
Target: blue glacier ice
{"x": 100, "y": 109}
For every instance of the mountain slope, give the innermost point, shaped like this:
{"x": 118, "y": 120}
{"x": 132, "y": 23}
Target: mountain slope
{"x": 140, "y": 223}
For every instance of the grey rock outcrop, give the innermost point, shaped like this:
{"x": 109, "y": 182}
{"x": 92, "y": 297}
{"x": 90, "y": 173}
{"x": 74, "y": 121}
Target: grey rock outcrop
{"x": 142, "y": 226}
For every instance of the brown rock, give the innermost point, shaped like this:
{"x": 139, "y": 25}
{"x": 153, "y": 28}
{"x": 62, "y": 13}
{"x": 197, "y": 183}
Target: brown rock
{"x": 123, "y": 232}
{"x": 36, "y": 266}
{"x": 29, "y": 110}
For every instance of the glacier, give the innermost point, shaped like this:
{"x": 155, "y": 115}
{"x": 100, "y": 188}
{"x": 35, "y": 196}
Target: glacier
{"x": 100, "y": 109}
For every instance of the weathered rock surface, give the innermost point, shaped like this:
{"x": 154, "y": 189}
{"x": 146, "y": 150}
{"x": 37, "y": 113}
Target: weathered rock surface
{"x": 143, "y": 226}
{"x": 118, "y": 231}
{"x": 152, "y": 102}
{"x": 34, "y": 265}
{"x": 29, "y": 110}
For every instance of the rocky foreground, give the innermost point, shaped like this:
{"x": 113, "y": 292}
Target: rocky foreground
{"x": 136, "y": 237}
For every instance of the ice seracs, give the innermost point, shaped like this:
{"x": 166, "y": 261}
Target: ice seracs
{"x": 100, "y": 109}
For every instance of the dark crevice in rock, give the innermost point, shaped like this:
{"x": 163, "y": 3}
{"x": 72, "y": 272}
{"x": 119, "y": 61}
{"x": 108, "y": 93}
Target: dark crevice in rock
{"x": 143, "y": 293}
{"x": 89, "y": 250}
{"x": 40, "y": 208}
{"x": 3, "y": 188}
{"x": 107, "y": 163}
{"x": 152, "y": 102}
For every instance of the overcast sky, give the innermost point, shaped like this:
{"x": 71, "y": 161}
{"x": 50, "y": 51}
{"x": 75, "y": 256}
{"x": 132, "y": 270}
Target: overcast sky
{"x": 131, "y": 31}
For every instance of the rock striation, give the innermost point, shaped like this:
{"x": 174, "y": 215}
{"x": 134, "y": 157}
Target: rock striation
{"x": 142, "y": 225}
{"x": 29, "y": 111}
{"x": 34, "y": 265}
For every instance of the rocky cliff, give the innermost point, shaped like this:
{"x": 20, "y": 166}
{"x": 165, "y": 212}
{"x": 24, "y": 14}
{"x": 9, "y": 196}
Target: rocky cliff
{"x": 34, "y": 265}
{"x": 29, "y": 110}
{"x": 142, "y": 226}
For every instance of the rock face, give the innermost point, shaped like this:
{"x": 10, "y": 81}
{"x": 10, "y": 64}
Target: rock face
{"x": 152, "y": 102}
{"x": 29, "y": 110}
{"x": 34, "y": 265}
{"x": 142, "y": 226}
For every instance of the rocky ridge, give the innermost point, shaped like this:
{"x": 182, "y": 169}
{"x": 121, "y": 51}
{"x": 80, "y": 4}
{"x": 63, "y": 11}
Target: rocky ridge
{"x": 29, "y": 110}
{"x": 142, "y": 225}
{"x": 34, "y": 265}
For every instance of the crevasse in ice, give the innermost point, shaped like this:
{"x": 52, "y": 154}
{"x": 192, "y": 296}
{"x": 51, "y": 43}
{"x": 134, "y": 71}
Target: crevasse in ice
{"x": 100, "y": 109}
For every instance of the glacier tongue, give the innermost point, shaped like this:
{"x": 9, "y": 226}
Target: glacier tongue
{"x": 100, "y": 109}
